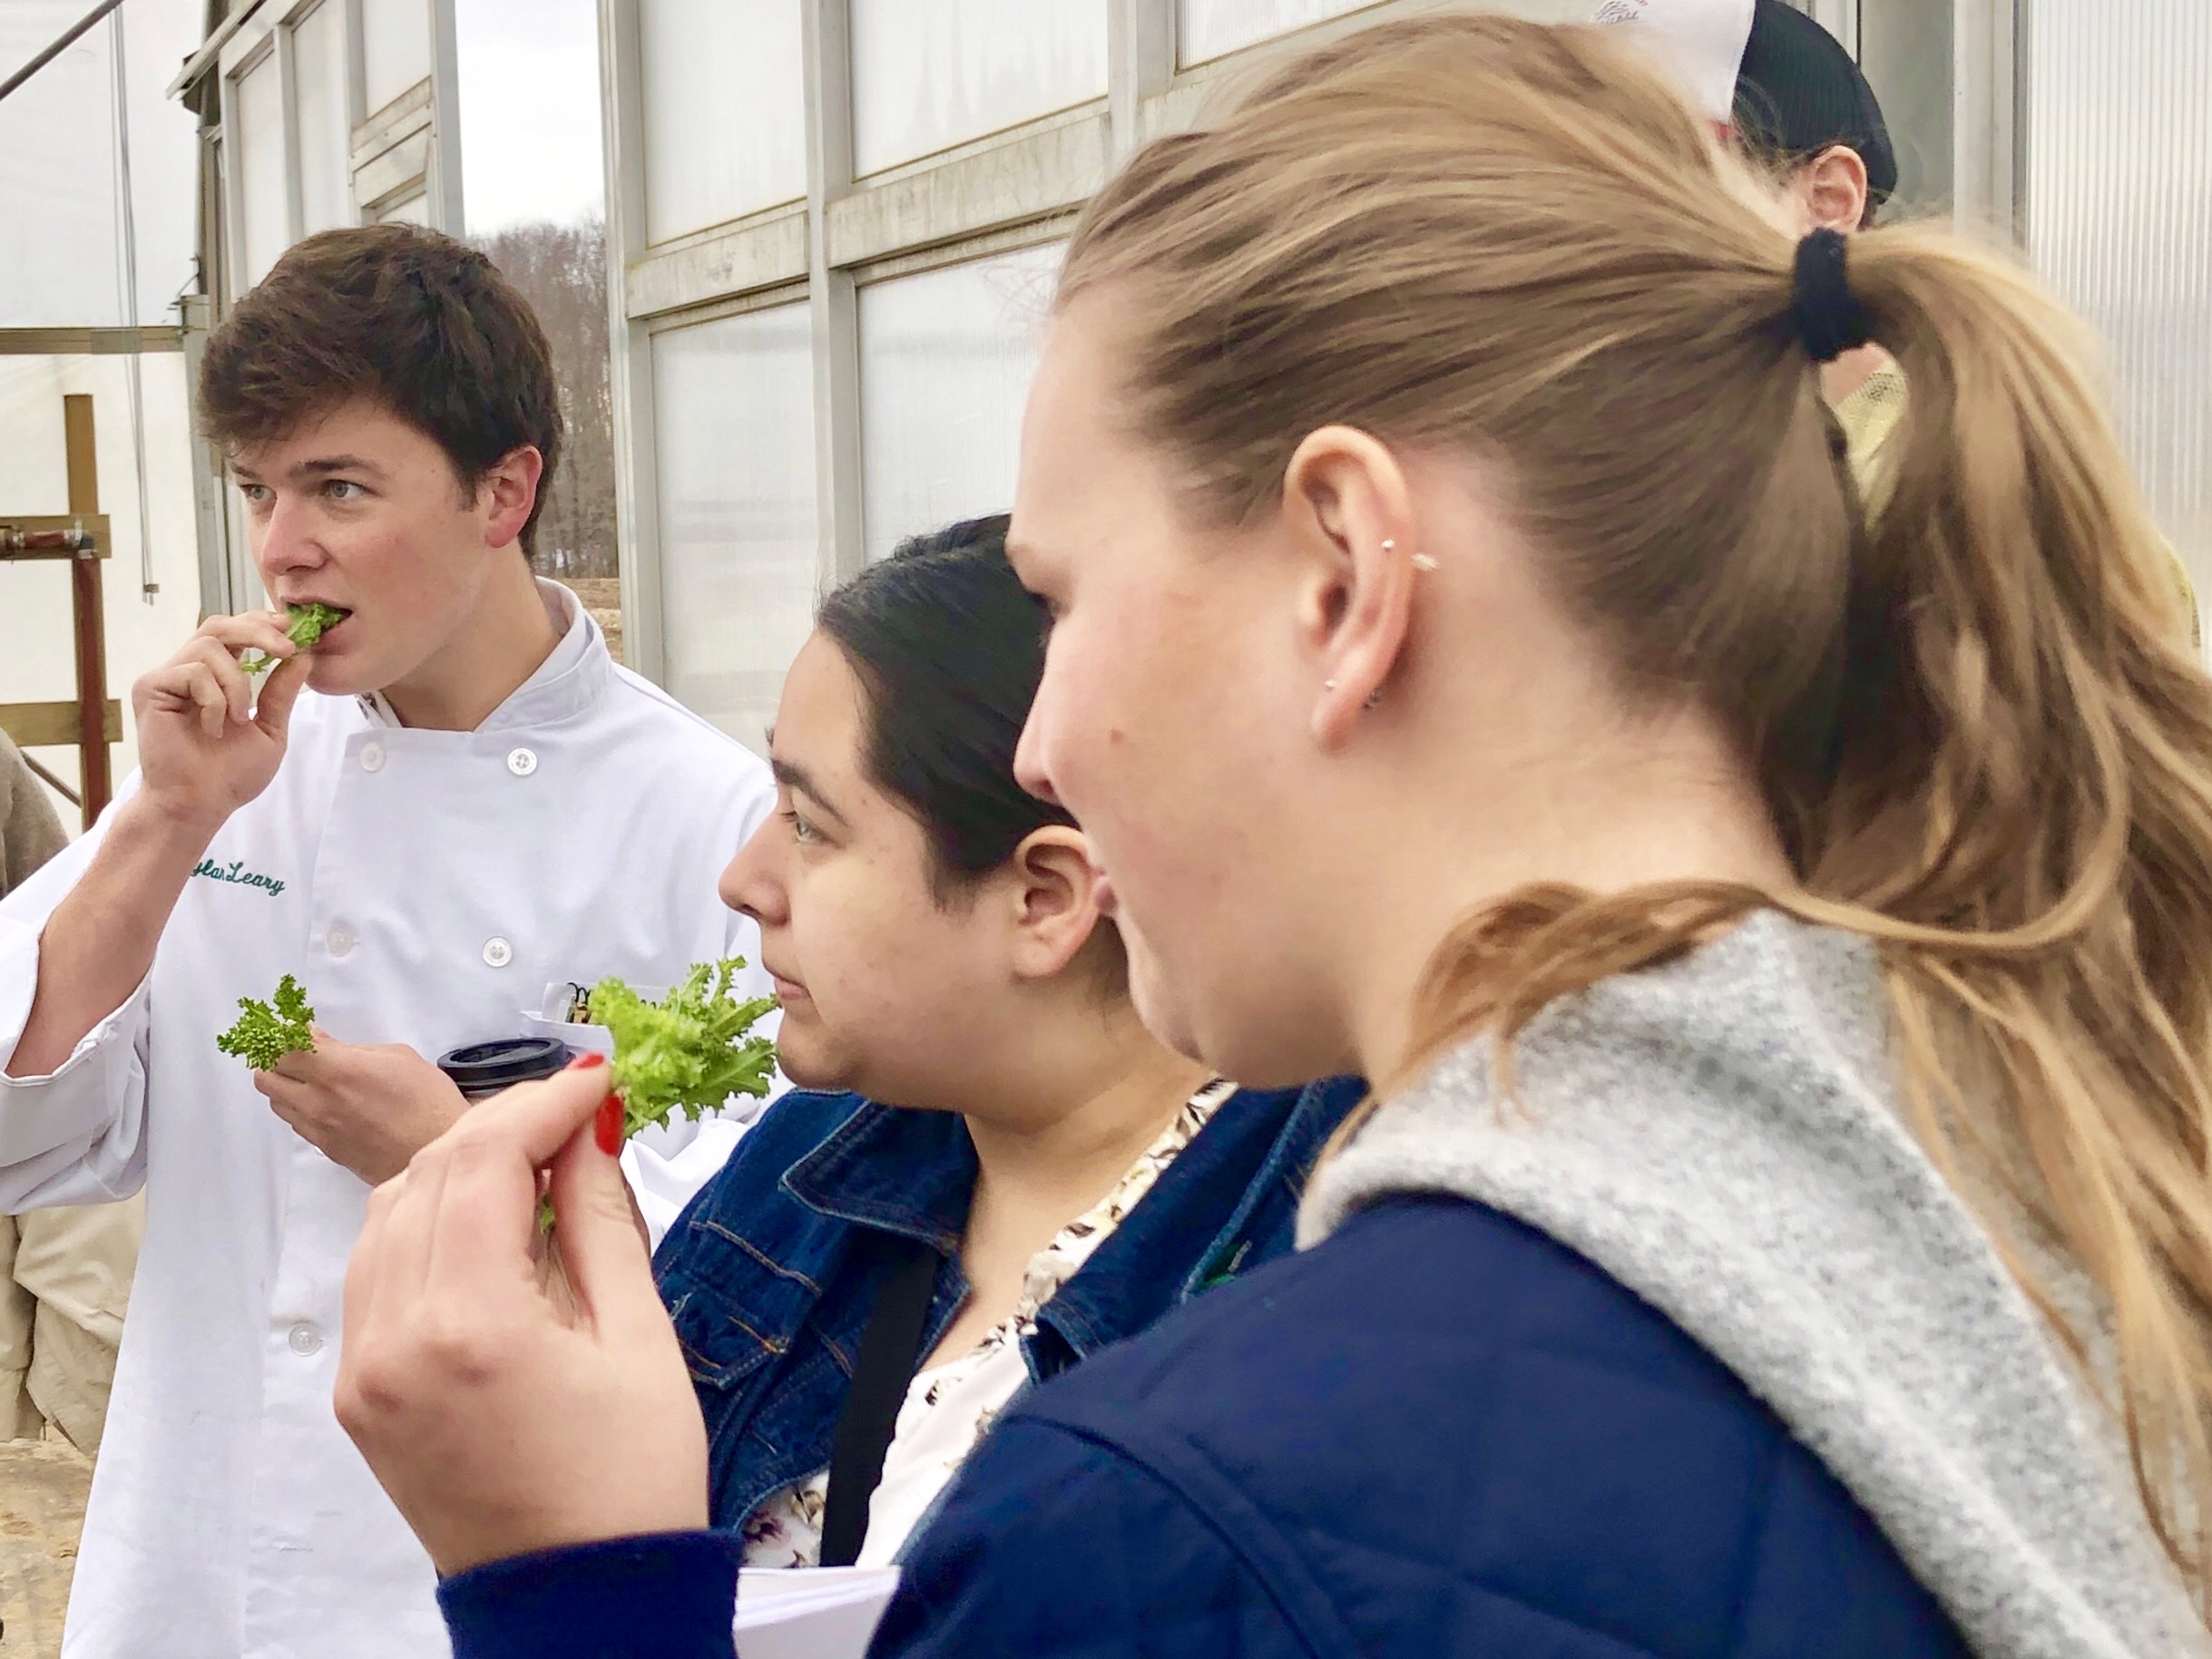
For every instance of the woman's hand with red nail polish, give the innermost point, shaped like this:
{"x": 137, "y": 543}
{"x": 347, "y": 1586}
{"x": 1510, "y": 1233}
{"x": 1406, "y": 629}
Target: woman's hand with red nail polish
{"x": 510, "y": 1404}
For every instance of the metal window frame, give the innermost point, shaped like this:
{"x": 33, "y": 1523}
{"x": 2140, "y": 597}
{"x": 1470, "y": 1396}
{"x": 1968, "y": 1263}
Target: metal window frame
{"x": 432, "y": 105}
{"x": 1989, "y": 120}
{"x": 1009, "y": 189}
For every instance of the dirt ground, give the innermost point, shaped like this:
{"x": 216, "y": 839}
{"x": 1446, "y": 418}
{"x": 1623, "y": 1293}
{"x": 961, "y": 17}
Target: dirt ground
{"x": 43, "y": 1488}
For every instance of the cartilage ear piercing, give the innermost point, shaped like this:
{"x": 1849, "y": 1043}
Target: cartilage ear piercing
{"x": 1328, "y": 685}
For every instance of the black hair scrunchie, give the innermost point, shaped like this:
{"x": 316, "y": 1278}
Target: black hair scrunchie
{"x": 1825, "y": 315}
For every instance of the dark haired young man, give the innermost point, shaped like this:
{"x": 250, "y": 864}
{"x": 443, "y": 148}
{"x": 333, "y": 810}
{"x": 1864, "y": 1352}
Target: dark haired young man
{"x": 453, "y": 800}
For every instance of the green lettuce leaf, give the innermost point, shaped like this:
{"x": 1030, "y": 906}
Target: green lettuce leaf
{"x": 688, "y": 1053}
{"x": 309, "y": 623}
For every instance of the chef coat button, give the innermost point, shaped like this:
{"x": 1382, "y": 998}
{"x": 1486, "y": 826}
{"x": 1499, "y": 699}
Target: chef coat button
{"x": 339, "y": 940}
{"x": 306, "y": 1340}
{"x": 498, "y": 953}
{"x": 372, "y": 757}
{"x": 522, "y": 762}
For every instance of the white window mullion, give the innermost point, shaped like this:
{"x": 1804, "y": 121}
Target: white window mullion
{"x": 637, "y": 530}
{"x": 830, "y": 296}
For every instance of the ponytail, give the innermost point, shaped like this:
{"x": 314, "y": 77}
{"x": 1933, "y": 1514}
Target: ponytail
{"x": 2023, "y": 817}
{"x": 2019, "y": 814}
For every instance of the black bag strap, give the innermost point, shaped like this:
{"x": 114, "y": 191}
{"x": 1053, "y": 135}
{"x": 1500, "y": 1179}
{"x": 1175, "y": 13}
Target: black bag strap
{"x": 890, "y": 1351}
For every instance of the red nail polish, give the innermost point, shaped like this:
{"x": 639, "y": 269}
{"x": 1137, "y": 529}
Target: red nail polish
{"x": 608, "y": 1129}
{"x": 584, "y": 1062}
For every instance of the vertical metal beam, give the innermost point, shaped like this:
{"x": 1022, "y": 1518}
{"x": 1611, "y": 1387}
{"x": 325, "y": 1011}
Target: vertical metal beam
{"x": 832, "y": 302}
{"x": 1986, "y": 116}
{"x": 94, "y": 782}
{"x": 357, "y": 59}
{"x": 207, "y": 468}
{"x": 630, "y": 379}
{"x": 447, "y": 210}
{"x": 355, "y": 87}
{"x": 288, "y": 105}
{"x": 233, "y": 188}
{"x": 1141, "y": 63}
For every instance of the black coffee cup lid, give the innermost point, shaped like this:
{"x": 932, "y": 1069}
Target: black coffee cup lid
{"x": 500, "y": 1065}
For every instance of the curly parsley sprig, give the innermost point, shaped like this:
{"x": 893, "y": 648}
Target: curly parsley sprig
{"x": 264, "y": 1035}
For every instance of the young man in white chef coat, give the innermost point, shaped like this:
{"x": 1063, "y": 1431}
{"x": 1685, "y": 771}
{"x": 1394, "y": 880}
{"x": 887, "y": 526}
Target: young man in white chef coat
{"x": 455, "y": 799}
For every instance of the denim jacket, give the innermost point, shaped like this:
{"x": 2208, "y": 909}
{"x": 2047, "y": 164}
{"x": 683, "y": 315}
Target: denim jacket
{"x": 771, "y": 1271}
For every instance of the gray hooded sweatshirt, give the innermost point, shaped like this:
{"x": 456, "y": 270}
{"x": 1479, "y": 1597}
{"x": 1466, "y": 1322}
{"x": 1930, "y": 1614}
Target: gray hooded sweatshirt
{"x": 1720, "y": 1135}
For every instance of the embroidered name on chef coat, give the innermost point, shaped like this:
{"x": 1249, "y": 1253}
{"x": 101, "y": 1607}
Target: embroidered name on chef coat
{"x": 236, "y": 873}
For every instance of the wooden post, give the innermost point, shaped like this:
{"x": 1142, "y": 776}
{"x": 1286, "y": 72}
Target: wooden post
{"x": 87, "y": 608}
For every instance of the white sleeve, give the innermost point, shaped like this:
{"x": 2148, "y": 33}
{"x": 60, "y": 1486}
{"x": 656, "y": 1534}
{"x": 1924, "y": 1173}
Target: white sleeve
{"x": 78, "y": 1135}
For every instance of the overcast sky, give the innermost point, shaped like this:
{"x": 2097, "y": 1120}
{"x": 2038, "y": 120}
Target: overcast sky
{"x": 529, "y": 111}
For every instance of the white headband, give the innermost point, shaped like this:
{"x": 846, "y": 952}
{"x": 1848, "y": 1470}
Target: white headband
{"x": 1701, "y": 41}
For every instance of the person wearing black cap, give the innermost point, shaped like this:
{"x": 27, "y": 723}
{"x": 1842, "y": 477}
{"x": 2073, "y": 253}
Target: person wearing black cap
{"x": 1800, "y": 97}
{"x": 1774, "y": 82}
{"x": 1800, "y": 100}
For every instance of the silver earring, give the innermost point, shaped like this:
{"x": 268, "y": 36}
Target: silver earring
{"x": 1422, "y": 562}
{"x": 1328, "y": 685}
{"x": 1389, "y": 546}
{"x": 1375, "y": 700}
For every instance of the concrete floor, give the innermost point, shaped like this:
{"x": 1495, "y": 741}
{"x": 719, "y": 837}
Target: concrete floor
{"x": 42, "y": 1487}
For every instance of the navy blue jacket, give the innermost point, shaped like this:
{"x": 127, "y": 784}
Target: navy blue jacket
{"x": 1440, "y": 1433}
{"x": 770, "y": 1273}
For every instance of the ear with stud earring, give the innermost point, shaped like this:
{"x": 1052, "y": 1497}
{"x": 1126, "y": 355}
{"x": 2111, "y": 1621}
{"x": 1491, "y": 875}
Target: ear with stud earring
{"x": 1422, "y": 562}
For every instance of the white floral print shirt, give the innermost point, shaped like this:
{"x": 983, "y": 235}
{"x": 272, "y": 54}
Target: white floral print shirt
{"x": 949, "y": 1407}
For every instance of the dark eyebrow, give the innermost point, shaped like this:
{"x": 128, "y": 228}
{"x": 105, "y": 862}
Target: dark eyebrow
{"x": 797, "y": 778}
{"x": 324, "y": 465}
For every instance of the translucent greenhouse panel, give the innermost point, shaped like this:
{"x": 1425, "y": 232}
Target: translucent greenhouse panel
{"x": 394, "y": 48}
{"x": 59, "y": 242}
{"x": 2120, "y": 222}
{"x": 733, "y": 422}
{"x": 931, "y": 73}
{"x": 318, "y": 92}
{"x": 257, "y": 149}
{"x": 945, "y": 362}
{"x": 1208, "y": 29}
{"x": 724, "y": 110}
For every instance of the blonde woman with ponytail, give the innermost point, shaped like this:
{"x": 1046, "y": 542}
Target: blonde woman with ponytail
{"x": 1781, "y": 942}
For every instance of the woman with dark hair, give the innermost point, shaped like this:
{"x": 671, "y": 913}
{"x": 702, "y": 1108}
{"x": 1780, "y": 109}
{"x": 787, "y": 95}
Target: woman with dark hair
{"x": 980, "y": 1108}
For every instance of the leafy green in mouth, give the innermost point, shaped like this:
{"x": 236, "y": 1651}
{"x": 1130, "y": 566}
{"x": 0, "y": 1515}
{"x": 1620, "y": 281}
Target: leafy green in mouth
{"x": 309, "y": 623}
